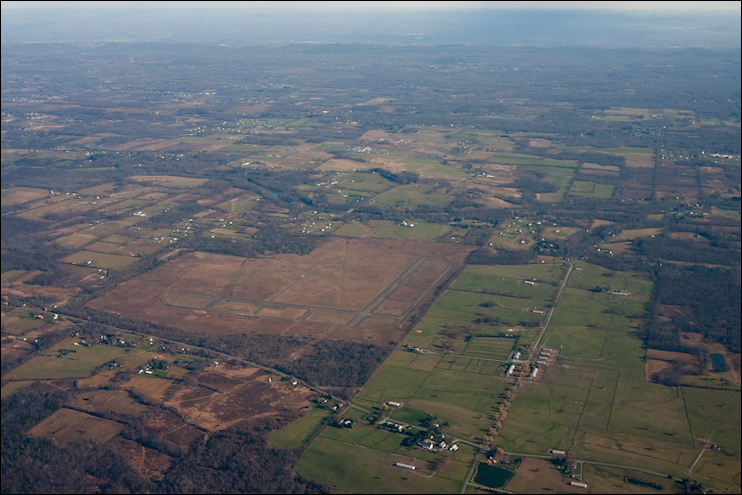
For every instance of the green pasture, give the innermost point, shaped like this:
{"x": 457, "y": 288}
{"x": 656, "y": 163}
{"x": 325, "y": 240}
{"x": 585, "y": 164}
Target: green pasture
{"x": 649, "y": 410}
{"x": 523, "y": 159}
{"x": 490, "y": 347}
{"x": 352, "y": 229}
{"x": 590, "y": 189}
{"x": 503, "y": 286}
{"x": 640, "y": 451}
{"x": 718, "y": 470}
{"x": 543, "y": 272}
{"x": 475, "y": 402}
{"x": 577, "y": 333}
{"x": 297, "y": 433}
{"x": 78, "y": 364}
{"x": 622, "y": 347}
{"x": 596, "y": 276}
{"x": 426, "y": 166}
{"x": 468, "y": 306}
{"x": 239, "y": 206}
{"x": 19, "y": 321}
{"x": 100, "y": 260}
{"x": 714, "y": 416}
{"x": 600, "y": 399}
{"x": 425, "y": 362}
{"x": 411, "y": 196}
{"x": 422, "y": 231}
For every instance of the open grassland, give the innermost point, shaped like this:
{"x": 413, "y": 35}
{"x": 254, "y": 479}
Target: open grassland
{"x": 714, "y": 417}
{"x": 592, "y": 190}
{"x": 631, "y": 234}
{"x": 719, "y": 470}
{"x": 170, "y": 181}
{"x": 100, "y": 260}
{"x": 353, "y": 468}
{"x": 523, "y": 159}
{"x": 543, "y": 272}
{"x": 80, "y": 363}
{"x": 411, "y": 196}
{"x": 422, "y": 231}
{"x": 603, "y": 479}
{"x": 19, "y": 195}
{"x": 473, "y": 282}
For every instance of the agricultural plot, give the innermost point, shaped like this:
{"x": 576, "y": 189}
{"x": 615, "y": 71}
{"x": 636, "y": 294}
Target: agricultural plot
{"x": 169, "y": 181}
{"x": 411, "y": 196}
{"x": 592, "y": 190}
{"x": 100, "y": 260}
{"x": 67, "y": 426}
{"x": 74, "y": 362}
{"x": 420, "y": 231}
{"x": 20, "y": 195}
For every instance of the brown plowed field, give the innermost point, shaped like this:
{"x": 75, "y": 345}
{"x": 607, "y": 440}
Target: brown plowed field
{"x": 236, "y": 398}
{"x": 340, "y": 274}
{"x": 108, "y": 401}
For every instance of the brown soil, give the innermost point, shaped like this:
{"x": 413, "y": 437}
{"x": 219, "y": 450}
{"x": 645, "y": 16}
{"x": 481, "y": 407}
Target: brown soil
{"x": 237, "y": 398}
{"x": 653, "y": 366}
{"x": 672, "y": 356}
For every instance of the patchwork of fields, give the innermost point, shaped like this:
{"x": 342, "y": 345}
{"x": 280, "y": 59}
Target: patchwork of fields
{"x": 592, "y": 401}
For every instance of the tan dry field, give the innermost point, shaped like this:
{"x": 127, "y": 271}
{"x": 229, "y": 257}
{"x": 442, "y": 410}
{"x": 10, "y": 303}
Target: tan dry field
{"x": 223, "y": 398}
{"x": 652, "y": 366}
{"x": 58, "y": 294}
{"x": 378, "y": 136}
{"x": 19, "y": 195}
{"x": 539, "y": 143}
{"x": 152, "y": 387}
{"x": 108, "y": 401}
{"x": 494, "y": 203}
{"x": 672, "y": 356}
{"x": 67, "y": 426}
{"x": 342, "y": 276}
{"x": 304, "y": 159}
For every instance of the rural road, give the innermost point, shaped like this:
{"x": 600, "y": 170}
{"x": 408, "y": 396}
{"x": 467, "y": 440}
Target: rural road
{"x": 474, "y": 465}
{"x": 553, "y": 306}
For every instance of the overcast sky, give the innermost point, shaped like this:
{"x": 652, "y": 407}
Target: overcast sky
{"x": 391, "y": 6}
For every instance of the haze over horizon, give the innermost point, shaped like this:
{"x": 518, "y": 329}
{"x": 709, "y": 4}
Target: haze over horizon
{"x": 475, "y": 23}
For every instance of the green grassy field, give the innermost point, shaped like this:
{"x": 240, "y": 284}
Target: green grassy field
{"x": 296, "y": 434}
{"x": 100, "y": 260}
{"x": 79, "y": 364}
{"x": 422, "y": 231}
{"x": 592, "y": 190}
{"x": 411, "y": 196}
